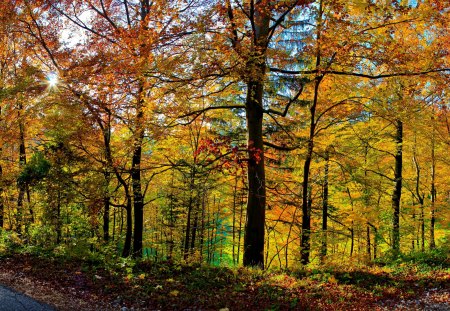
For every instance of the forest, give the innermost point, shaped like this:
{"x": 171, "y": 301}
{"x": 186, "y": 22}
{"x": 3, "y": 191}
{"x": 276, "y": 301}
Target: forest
{"x": 226, "y": 135}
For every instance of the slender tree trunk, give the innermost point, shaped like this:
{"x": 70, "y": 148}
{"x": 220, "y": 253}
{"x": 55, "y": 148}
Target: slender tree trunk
{"x": 22, "y": 162}
{"x": 189, "y": 214}
{"x": 128, "y": 208}
{"x": 106, "y": 206}
{"x": 234, "y": 222}
{"x": 420, "y": 198}
{"x": 306, "y": 217}
{"x": 375, "y": 242}
{"x": 352, "y": 237}
{"x": 114, "y": 224}
{"x": 202, "y": 226}
{"x": 2, "y": 207}
{"x": 107, "y": 176}
{"x": 241, "y": 215}
{"x": 126, "y": 252}
{"x": 413, "y": 238}
{"x": 194, "y": 226}
{"x": 422, "y": 226}
{"x": 58, "y": 217}
{"x": 433, "y": 188}
{"x": 325, "y": 208}
{"x": 136, "y": 183}
{"x": 397, "y": 193}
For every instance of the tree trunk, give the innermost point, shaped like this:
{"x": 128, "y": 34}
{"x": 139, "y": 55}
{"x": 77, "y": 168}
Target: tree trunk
{"x": 256, "y": 204}
{"x": 241, "y": 214}
{"x": 2, "y": 207}
{"x": 368, "y": 248}
{"x": 58, "y": 216}
{"x": 138, "y": 139}
{"x": 254, "y": 228}
{"x": 136, "y": 176}
{"x": 202, "y": 226}
{"x": 233, "y": 252}
{"x": 126, "y": 252}
{"x": 194, "y": 227}
{"x": 323, "y": 253}
{"x": 189, "y": 214}
{"x": 433, "y": 189}
{"x": 107, "y": 176}
{"x": 306, "y": 217}
{"x": 397, "y": 193}
{"x": 420, "y": 198}
{"x": 22, "y": 185}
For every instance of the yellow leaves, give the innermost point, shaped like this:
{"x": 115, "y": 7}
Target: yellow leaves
{"x": 141, "y": 276}
{"x": 174, "y": 293}
{"x": 332, "y": 280}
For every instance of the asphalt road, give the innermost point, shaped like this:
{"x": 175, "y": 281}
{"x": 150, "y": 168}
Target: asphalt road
{"x": 14, "y": 301}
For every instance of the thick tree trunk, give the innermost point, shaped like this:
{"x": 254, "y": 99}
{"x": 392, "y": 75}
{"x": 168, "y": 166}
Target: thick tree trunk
{"x": 397, "y": 193}
{"x": 256, "y": 204}
{"x": 254, "y": 228}
{"x": 138, "y": 139}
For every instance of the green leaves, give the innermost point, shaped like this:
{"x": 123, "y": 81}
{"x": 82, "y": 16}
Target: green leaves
{"x": 34, "y": 171}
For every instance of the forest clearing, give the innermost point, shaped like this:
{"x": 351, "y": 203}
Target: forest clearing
{"x": 226, "y": 155}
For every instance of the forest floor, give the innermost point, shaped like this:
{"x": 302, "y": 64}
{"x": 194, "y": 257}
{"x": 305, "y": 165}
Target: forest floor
{"x": 86, "y": 285}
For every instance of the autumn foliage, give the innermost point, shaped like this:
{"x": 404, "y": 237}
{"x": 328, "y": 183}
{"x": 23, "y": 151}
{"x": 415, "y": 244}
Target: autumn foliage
{"x": 262, "y": 133}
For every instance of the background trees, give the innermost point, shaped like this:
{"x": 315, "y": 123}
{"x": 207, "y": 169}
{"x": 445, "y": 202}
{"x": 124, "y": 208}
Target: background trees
{"x": 326, "y": 119}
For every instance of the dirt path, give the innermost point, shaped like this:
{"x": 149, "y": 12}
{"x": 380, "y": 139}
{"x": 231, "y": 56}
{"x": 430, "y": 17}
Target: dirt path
{"x": 12, "y": 300}
{"x": 434, "y": 299}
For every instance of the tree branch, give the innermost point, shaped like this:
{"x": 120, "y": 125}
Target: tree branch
{"x": 281, "y": 148}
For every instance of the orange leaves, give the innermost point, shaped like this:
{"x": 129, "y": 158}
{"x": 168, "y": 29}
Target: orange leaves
{"x": 220, "y": 153}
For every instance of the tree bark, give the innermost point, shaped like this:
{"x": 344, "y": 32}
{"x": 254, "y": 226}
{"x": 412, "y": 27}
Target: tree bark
{"x": 136, "y": 176}
{"x": 323, "y": 253}
{"x": 22, "y": 185}
{"x": 397, "y": 193}
{"x": 256, "y": 203}
{"x": 2, "y": 207}
{"x": 306, "y": 210}
{"x": 433, "y": 188}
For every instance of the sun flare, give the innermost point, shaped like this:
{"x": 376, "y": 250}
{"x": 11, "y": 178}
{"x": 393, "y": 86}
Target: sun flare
{"x": 52, "y": 80}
